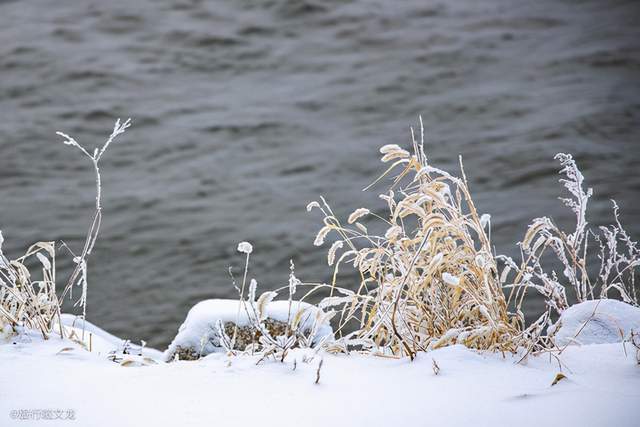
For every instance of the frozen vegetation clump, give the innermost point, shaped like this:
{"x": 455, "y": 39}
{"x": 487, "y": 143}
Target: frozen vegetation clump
{"x": 251, "y": 325}
{"x": 24, "y": 300}
{"x": 429, "y": 279}
{"x": 617, "y": 253}
{"x": 212, "y": 326}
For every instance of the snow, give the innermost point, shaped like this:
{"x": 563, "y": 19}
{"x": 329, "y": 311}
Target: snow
{"x": 245, "y": 248}
{"x": 602, "y": 388}
{"x": 597, "y": 322}
{"x": 451, "y": 386}
{"x": 199, "y": 329}
{"x": 100, "y": 341}
{"x": 450, "y": 279}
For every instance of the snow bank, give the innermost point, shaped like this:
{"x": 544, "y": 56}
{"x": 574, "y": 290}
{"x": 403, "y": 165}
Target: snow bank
{"x": 59, "y": 376}
{"x": 597, "y": 322}
{"x": 100, "y": 341}
{"x": 199, "y": 330}
{"x": 472, "y": 389}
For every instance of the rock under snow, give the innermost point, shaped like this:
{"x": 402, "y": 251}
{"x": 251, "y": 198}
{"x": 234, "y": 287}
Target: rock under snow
{"x": 597, "y": 322}
{"x": 198, "y": 336}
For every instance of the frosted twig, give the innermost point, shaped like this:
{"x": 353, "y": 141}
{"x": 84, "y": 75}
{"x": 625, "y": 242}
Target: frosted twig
{"x": 79, "y": 274}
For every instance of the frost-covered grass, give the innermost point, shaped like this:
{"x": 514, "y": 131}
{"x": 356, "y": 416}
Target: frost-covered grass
{"x": 431, "y": 288}
{"x": 79, "y": 275}
{"x": 618, "y": 254}
{"x": 431, "y": 279}
{"x": 27, "y": 301}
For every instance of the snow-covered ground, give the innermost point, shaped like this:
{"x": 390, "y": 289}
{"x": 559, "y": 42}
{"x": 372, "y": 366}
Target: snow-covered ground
{"x": 602, "y": 388}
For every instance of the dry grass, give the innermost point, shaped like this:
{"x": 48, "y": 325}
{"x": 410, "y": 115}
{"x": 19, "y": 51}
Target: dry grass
{"x": 431, "y": 280}
{"x": 428, "y": 280}
{"x": 619, "y": 256}
{"x": 25, "y": 302}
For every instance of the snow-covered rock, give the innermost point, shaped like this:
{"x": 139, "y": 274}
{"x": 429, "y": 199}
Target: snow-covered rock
{"x": 596, "y": 322}
{"x": 199, "y": 332}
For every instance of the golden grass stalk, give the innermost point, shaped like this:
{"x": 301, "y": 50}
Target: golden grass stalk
{"x": 431, "y": 279}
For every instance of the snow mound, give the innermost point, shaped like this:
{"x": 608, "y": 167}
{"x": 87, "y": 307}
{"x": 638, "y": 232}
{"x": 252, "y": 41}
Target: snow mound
{"x": 100, "y": 341}
{"x": 596, "y": 322}
{"x": 199, "y": 330}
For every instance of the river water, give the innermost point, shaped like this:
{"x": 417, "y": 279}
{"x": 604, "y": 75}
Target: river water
{"x": 244, "y": 111}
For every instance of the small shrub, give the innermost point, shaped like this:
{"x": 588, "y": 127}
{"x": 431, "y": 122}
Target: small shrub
{"x": 619, "y": 256}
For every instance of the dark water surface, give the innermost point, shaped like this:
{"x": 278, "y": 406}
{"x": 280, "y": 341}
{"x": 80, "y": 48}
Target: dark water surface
{"x": 244, "y": 111}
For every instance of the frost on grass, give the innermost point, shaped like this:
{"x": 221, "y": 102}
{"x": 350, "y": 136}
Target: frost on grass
{"x": 430, "y": 279}
{"x": 618, "y": 255}
{"x": 28, "y": 298}
{"x": 253, "y": 325}
{"x": 79, "y": 275}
